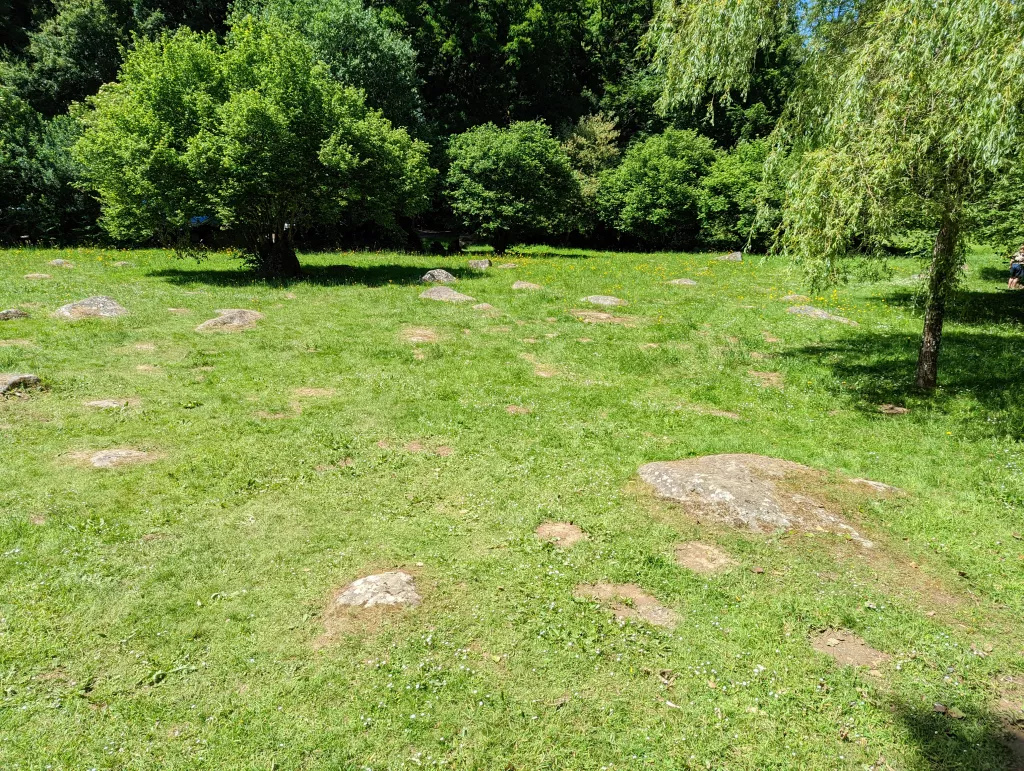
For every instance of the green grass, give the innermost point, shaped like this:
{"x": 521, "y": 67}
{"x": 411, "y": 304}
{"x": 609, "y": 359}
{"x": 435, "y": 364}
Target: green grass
{"x": 168, "y": 615}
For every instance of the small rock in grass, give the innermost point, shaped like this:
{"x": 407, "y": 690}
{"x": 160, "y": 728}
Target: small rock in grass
{"x": 483, "y": 307}
{"x": 817, "y": 313}
{"x": 12, "y": 314}
{"x": 13, "y": 342}
{"x": 122, "y": 264}
{"x": 732, "y": 257}
{"x": 600, "y": 317}
{"x": 703, "y": 557}
{"x": 628, "y": 601}
{"x": 561, "y": 534}
{"x": 508, "y": 266}
{"x": 178, "y": 310}
{"x": 61, "y": 264}
{"x": 526, "y": 285}
{"x": 394, "y": 588}
{"x": 848, "y": 649}
{"x": 515, "y": 409}
{"x": 107, "y": 459}
{"x": 683, "y": 282}
{"x": 892, "y": 409}
{"x": 445, "y": 294}
{"x": 796, "y": 298}
{"x": 107, "y": 404}
{"x": 231, "y": 320}
{"x": 479, "y": 264}
{"x": 9, "y": 382}
{"x": 37, "y": 276}
{"x": 438, "y": 276}
{"x": 604, "y": 300}
{"x": 91, "y": 308}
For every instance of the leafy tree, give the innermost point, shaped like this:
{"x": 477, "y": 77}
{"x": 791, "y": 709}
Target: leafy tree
{"x": 592, "y": 149}
{"x": 252, "y": 132}
{"x": 39, "y": 197}
{"x": 511, "y": 183}
{"x": 729, "y": 199}
{"x": 498, "y": 60}
{"x": 652, "y": 197}
{"x": 358, "y": 50}
{"x": 904, "y": 110}
{"x": 69, "y": 57}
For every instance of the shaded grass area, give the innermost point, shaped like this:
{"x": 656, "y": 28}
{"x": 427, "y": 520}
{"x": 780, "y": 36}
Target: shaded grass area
{"x": 169, "y": 615}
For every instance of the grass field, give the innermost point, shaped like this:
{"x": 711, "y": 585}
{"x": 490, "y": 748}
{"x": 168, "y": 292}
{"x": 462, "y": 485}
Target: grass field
{"x": 172, "y": 615}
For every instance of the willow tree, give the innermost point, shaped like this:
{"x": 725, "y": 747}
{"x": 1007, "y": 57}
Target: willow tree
{"x": 904, "y": 111}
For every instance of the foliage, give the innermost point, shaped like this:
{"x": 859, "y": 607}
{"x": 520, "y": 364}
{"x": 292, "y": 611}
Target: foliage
{"x": 252, "y": 132}
{"x": 498, "y": 60}
{"x": 39, "y": 198}
{"x": 904, "y": 109}
{"x": 358, "y": 50}
{"x": 69, "y": 56}
{"x": 998, "y": 218}
{"x": 512, "y": 183}
{"x": 652, "y": 197}
{"x": 729, "y": 199}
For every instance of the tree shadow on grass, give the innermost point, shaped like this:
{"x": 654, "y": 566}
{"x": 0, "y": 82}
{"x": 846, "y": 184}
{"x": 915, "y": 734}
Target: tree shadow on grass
{"x": 317, "y": 275}
{"x": 979, "y": 741}
{"x": 986, "y": 365}
{"x": 971, "y": 306}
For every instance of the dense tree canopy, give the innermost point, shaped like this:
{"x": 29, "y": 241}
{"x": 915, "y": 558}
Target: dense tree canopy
{"x": 903, "y": 112}
{"x": 253, "y": 133}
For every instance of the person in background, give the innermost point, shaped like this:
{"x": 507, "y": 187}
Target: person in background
{"x": 1016, "y": 270}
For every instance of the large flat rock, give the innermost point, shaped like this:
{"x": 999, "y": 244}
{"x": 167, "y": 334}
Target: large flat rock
{"x": 394, "y": 588}
{"x": 749, "y": 492}
{"x": 91, "y": 308}
{"x": 817, "y": 313}
{"x": 446, "y": 294}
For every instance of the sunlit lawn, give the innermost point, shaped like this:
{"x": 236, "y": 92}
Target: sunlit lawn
{"x": 171, "y": 615}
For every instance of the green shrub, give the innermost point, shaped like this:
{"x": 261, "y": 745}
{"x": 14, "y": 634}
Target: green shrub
{"x": 653, "y": 196}
{"x": 252, "y": 133}
{"x": 511, "y": 184}
{"x": 729, "y": 197}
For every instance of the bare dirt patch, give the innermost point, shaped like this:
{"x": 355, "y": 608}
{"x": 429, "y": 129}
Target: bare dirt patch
{"x": 703, "y": 557}
{"x": 628, "y": 602}
{"x": 313, "y": 393}
{"x": 15, "y": 342}
{"x": 112, "y": 404}
{"x": 770, "y": 338}
{"x": 144, "y": 346}
{"x": 561, "y": 534}
{"x": 148, "y": 368}
{"x": 179, "y": 311}
{"x": 767, "y": 379}
{"x": 848, "y": 649}
{"x": 540, "y": 370}
{"x": 753, "y": 493}
{"x": 600, "y": 317}
{"x": 419, "y": 335}
{"x": 515, "y": 409}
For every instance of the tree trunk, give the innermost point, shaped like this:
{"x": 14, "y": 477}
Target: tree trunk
{"x": 941, "y": 280}
{"x": 274, "y": 256}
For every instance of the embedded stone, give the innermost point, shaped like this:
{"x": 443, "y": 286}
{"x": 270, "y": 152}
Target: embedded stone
{"x": 683, "y": 282}
{"x": 438, "y": 276}
{"x": 11, "y": 381}
{"x": 231, "y": 320}
{"x": 527, "y": 286}
{"x": 732, "y": 257}
{"x": 747, "y": 492}
{"x": 603, "y": 299}
{"x": 390, "y": 589}
{"x": 12, "y": 314}
{"x": 446, "y": 294}
{"x": 479, "y": 264}
{"x": 817, "y": 313}
{"x": 91, "y": 308}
